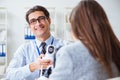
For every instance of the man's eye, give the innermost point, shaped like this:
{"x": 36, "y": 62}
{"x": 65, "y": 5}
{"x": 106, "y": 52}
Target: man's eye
{"x": 34, "y": 20}
{"x": 41, "y": 18}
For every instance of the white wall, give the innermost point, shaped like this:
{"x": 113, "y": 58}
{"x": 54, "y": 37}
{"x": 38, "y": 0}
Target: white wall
{"x": 16, "y": 19}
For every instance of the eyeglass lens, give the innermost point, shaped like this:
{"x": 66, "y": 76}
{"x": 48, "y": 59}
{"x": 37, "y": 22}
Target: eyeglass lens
{"x": 39, "y": 19}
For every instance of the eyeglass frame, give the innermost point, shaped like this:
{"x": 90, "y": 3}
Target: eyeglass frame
{"x": 39, "y": 19}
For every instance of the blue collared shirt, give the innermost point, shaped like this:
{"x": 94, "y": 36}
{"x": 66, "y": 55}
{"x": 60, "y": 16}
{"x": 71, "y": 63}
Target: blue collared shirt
{"x": 27, "y": 53}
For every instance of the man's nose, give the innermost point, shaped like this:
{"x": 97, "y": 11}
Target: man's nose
{"x": 38, "y": 22}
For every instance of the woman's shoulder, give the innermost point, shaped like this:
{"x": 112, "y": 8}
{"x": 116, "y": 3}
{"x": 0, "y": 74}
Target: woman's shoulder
{"x": 75, "y": 45}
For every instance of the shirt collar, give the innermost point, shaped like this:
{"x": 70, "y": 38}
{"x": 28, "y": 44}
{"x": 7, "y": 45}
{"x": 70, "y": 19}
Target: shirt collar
{"x": 48, "y": 41}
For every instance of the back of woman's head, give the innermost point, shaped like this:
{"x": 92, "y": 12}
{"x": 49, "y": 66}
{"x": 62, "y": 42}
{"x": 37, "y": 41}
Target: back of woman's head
{"x": 91, "y": 25}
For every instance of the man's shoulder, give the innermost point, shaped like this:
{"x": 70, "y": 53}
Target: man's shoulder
{"x": 27, "y": 44}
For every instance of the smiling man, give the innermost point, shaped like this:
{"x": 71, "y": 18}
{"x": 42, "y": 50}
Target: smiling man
{"x": 26, "y": 62}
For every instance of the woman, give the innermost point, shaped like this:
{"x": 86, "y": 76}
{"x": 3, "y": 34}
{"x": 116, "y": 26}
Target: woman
{"x": 95, "y": 54}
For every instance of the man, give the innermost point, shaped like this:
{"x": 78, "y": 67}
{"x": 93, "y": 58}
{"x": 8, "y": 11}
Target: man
{"x": 26, "y": 62}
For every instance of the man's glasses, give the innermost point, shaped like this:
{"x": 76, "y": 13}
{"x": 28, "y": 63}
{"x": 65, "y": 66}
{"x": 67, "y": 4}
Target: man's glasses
{"x": 39, "y": 19}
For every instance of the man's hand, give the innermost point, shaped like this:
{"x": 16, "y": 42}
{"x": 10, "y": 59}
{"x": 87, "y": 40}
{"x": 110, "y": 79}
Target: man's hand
{"x": 42, "y": 55}
{"x": 44, "y": 63}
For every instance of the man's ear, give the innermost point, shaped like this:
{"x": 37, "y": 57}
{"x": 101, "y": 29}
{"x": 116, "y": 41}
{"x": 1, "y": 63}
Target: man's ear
{"x": 49, "y": 20}
{"x": 29, "y": 25}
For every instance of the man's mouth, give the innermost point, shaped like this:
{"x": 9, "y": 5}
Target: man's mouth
{"x": 39, "y": 28}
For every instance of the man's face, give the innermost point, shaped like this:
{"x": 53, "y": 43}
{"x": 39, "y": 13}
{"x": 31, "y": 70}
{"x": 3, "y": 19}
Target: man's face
{"x": 39, "y": 24}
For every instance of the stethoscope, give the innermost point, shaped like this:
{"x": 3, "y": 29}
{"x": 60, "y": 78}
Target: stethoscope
{"x": 38, "y": 47}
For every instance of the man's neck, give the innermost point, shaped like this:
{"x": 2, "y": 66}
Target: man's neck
{"x": 43, "y": 38}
